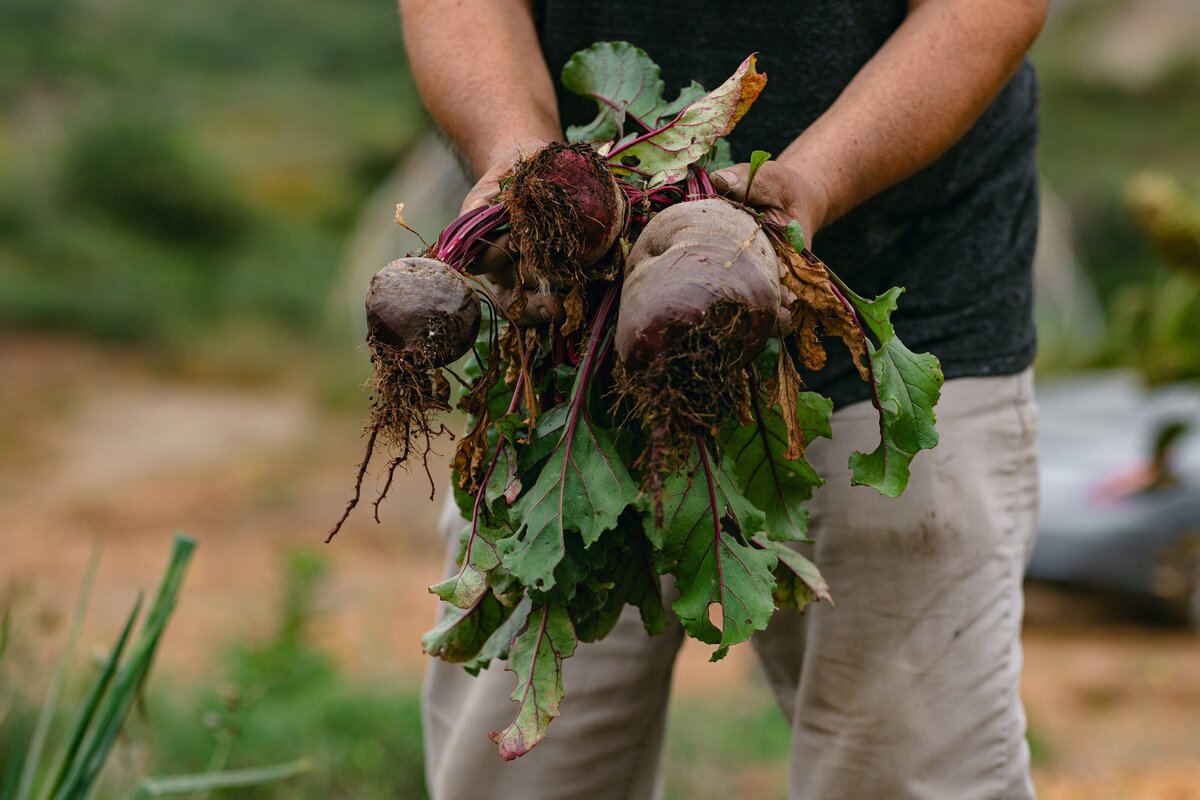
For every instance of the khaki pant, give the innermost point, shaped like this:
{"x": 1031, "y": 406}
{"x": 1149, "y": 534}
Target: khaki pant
{"x": 908, "y": 688}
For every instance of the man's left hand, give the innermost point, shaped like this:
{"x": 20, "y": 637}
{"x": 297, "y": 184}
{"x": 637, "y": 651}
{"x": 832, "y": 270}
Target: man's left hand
{"x": 781, "y": 192}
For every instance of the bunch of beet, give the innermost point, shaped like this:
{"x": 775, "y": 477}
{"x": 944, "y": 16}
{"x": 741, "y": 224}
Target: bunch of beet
{"x": 611, "y": 323}
{"x": 700, "y": 297}
{"x": 550, "y": 235}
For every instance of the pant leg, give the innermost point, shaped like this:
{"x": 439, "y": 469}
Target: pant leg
{"x": 606, "y": 745}
{"x": 908, "y": 688}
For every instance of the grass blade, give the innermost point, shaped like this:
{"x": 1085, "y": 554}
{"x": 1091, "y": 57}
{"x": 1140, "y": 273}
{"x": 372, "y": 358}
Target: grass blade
{"x": 12, "y": 772}
{"x": 87, "y": 713}
{"x": 5, "y": 632}
{"x": 86, "y": 766}
{"x": 216, "y": 781}
{"x": 50, "y": 705}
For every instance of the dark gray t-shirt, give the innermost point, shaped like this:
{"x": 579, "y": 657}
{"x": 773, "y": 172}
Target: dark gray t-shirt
{"x": 959, "y": 235}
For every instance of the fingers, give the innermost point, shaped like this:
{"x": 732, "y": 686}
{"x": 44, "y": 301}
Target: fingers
{"x": 768, "y": 190}
{"x": 481, "y": 194}
{"x": 496, "y": 257}
{"x": 501, "y": 161}
{"x": 731, "y": 182}
{"x": 539, "y": 307}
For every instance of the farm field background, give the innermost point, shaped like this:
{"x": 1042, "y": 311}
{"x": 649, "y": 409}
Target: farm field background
{"x": 179, "y": 187}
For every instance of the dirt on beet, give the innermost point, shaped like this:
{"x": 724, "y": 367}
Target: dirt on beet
{"x": 687, "y": 388}
{"x": 566, "y": 211}
{"x": 95, "y": 446}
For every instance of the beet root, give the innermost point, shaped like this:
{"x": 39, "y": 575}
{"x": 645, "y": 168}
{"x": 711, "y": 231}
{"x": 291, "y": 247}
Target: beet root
{"x": 424, "y": 309}
{"x": 421, "y": 316}
{"x": 566, "y": 211}
{"x": 701, "y": 298}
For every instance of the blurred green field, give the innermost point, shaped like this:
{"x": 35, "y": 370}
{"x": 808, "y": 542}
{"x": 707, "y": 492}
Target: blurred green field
{"x": 282, "y": 699}
{"x": 1097, "y": 134}
{"x": 174, "y": 172}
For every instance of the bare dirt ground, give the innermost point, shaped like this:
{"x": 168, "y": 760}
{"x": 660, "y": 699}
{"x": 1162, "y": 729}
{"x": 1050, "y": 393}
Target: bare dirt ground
{"x": 95, "y": 447}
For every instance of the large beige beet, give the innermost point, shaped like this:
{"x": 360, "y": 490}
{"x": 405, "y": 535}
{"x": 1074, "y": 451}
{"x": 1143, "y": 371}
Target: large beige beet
{"x": 697, "y": 258}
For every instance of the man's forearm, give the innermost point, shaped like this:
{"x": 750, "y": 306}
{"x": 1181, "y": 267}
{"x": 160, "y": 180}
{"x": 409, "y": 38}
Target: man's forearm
{"x": 480, "y": 71}
{"x": 916, "y": 97}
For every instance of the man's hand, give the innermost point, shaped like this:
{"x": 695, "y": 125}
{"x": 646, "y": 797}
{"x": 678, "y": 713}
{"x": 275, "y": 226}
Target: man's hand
{"x": 498, "y": 167}
{"x": 481, "y": 73}
{"x": 783, "y": 193}
{"x": 908, "y": 104}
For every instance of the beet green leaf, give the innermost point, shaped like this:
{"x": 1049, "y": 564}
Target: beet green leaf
{"x": 461, "y": 634}
{"x": 498, "y": 644}
{"x": 776, "y": 486}
{"x": 536, "y": 656}
{"x": 480, "y": 556}
{"x": 703, "y": 543}
{"x": 797, "y": 580}
{"x": 584, "y": 486}
{"x": 615, "y": 572}
{"x": 907, "y": 386}
{"x": 664, "y": 154}
{"x": 626, "y": 86}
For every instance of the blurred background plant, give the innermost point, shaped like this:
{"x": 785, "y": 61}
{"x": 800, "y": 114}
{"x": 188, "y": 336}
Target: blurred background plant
{"x": 187, "y": 194}
{"x": 77, "y": 767}
{"x": 178, "y": 172}
{"x": 1156, "y": 324}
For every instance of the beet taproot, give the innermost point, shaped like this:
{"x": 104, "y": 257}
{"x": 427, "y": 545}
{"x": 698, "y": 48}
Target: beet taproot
{"x": 566, "y": 211}
{"x": 421, "y": 316}
{"x": 691, "y": 260}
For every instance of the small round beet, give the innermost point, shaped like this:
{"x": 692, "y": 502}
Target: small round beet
{"x": 422, "y": 307}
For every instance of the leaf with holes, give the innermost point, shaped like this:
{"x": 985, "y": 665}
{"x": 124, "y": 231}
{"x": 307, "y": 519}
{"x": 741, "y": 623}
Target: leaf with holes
{"x": 626, "y": 86}
{"x": 664, "y": 154}
{"x": 707, "y": 523}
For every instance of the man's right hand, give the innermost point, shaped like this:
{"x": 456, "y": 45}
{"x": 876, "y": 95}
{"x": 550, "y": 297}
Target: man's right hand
{"x": 499, "y": 166}
{"x": 539, "y": 307}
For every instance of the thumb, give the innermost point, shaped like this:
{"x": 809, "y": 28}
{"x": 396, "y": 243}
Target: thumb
{"x": 480, "y": 195}
{"x": 731, "y": 183}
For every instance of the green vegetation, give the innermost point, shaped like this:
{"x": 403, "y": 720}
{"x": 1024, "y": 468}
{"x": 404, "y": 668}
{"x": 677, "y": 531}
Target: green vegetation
{"x": 285, "y": 698}
{"x": 86, "y": 738}
{"x": 169, "y": 169}
{"x": 283, "y": 701}
{"x": 1097, "y": 135}
{"x": 183, "y": 176}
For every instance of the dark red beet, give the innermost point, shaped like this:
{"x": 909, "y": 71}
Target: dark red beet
{"x": 700, "y": 300}
{"x": 566, "y": 211}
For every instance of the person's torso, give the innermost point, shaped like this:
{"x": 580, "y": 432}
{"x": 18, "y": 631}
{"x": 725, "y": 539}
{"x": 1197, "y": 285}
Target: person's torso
{"x": 959, "y": 235}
